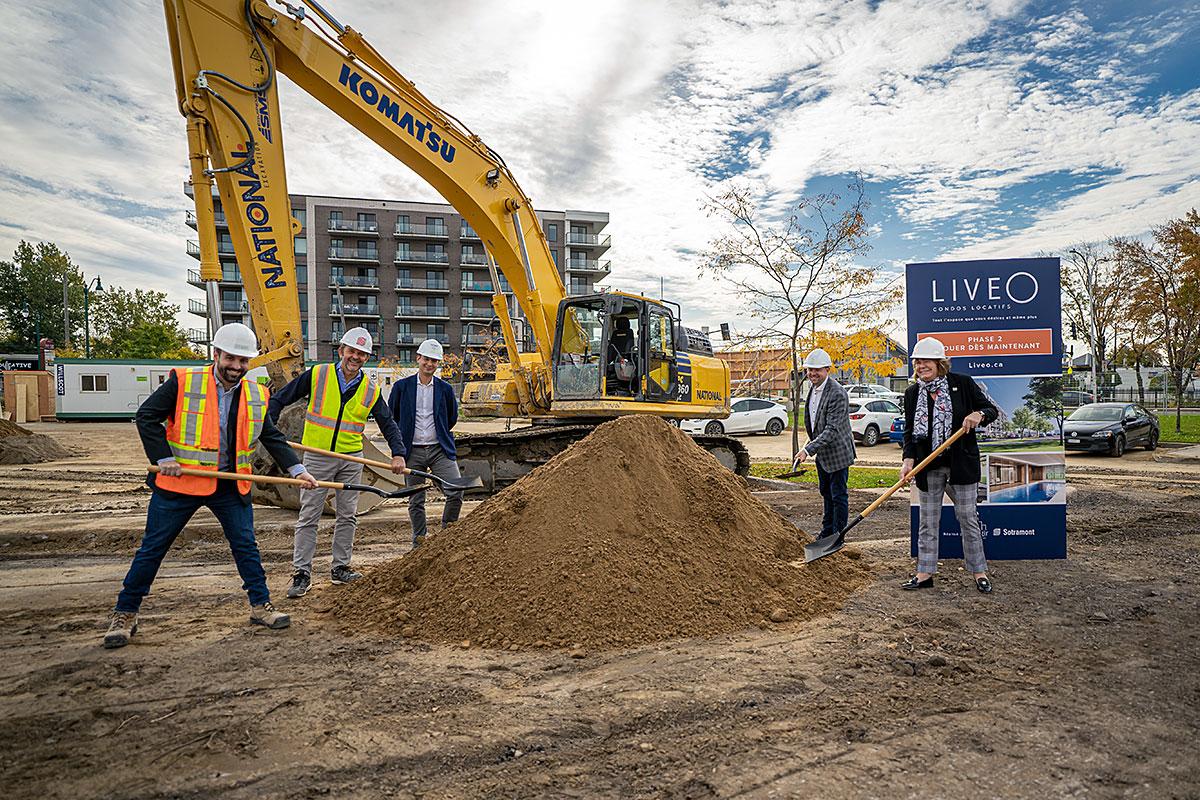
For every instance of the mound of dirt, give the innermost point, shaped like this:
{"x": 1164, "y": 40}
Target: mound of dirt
{"x": 20, "y": 446}
{"x": 634, "y": 534}
{"x": 8, "y": 428}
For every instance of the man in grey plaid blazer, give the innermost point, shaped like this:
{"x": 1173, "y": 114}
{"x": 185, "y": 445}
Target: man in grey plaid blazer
{"x": 830, "y": 441}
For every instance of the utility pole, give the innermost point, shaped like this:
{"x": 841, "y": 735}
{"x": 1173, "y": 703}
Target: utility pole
{"x": 66, "y": 312}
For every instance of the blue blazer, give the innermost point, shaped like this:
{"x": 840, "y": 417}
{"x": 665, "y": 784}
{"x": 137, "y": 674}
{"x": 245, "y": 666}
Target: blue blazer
{"x": 403, "y": 403}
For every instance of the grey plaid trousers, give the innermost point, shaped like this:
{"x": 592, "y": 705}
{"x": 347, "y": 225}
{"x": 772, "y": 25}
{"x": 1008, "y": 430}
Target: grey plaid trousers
{"x": 964, "y": 497}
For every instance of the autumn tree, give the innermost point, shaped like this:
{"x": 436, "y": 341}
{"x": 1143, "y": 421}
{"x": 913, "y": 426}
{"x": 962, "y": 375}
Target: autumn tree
{"x": 858, "y": 353}
{"x": 798, "y": 270}
{"x": 1164, "y": 273}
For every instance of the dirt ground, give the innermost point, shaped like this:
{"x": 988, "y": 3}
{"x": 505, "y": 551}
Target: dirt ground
{"x": 1075, "y": 678}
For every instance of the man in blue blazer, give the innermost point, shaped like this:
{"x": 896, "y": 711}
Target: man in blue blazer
{"x": 425, "y": 410}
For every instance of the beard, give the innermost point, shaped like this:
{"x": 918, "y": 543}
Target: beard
{"x": 230, "y": 374}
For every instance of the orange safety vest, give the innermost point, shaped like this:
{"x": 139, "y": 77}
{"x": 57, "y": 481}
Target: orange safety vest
{"x": 194, "y": 432}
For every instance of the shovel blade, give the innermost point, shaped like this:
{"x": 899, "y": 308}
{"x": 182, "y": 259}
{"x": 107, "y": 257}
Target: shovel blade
{"x": 825, "y": 546}
{"x": 794, "y": 474}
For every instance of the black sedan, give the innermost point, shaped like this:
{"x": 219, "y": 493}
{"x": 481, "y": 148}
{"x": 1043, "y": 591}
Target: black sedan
{"x": 1110, "y": 428}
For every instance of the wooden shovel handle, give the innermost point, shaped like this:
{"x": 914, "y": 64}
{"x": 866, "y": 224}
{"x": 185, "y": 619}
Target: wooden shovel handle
{"x": 345, "y": 457}
{"x": 237, "y": 476}
{"x": 924, "y": 463}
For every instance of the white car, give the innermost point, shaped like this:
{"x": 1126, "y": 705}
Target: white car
{"x": 872, "y": 391}
{"x": 872, "y": 419}
{"x": 747, "y": 415}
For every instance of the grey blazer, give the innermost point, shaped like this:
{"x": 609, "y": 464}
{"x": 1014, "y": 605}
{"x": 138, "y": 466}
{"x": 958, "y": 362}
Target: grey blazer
{"x": 831, "y": 442}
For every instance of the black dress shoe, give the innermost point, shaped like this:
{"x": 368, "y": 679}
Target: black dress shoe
{"x": 913, "y": 583}
{"x": 984, "y": 585}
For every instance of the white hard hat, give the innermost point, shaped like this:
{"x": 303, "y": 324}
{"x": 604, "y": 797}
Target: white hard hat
{"x": 929, "y": 347}
{"x": 236, "y": 339}
{"x": 817, "y": 359}
{"x": 430, "y": 348}
{"x": 359, "y": 339}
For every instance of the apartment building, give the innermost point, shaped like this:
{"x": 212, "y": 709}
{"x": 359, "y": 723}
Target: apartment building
{"x": 406, "y": 271}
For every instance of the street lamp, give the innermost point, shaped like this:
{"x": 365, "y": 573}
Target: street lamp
{"x": 87, "y": 331}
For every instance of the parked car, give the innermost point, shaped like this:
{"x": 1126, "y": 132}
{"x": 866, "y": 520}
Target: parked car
{"x": 896, "y": 435}
{"x": 872, "y": 391}
{"x": 871, "y": 418}
{"x": 1110, "y": 428}
{"x": 1073, "y": 398}
{"x": 747, "y": 415}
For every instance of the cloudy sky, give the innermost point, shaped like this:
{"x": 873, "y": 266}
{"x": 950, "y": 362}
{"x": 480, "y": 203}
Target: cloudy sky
{"x": 984, "y": 128}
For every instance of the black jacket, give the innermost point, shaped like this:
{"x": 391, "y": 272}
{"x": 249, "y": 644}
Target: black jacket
{"x": 300, "y": 387}
{"x": 963, "y": 456}
{"x": 160, "y": 406}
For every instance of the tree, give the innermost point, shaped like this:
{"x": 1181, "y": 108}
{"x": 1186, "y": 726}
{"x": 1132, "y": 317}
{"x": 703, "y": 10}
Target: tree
{"x": 1091, "y": 283}
{"x": 1165, "y": 275}
{"x": 798, "y": 271}
{"x": 859, "y": 352}
{"x": 1140, "y": 346}
{"x": 31, "y": 296}
{"x": 137, "y": 324}
{"x": 1045, "y": 398}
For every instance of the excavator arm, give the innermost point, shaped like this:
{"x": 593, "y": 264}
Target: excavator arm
{"x": 227, "y": 55}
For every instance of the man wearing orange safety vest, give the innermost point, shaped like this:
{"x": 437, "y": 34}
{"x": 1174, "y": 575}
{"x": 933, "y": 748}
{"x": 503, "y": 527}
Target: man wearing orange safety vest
{"x": 340, "y": 399}
{"x": 207, "y": 418}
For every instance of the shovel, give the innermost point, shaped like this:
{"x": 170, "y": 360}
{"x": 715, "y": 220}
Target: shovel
{"x": 351, "y": 487}
{"x": 444, "y": 485}
{"x": 793, "y": 474}
{"x": 828, "y": 545}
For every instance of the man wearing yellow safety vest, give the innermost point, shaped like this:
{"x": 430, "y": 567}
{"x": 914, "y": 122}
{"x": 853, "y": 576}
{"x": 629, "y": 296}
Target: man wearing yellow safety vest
{"x": 207, "y": 418}
{"x": 340, "y": 399}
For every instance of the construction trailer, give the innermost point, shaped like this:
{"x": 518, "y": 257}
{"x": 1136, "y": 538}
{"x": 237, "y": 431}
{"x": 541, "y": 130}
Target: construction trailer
{"x": 113, "y": 388}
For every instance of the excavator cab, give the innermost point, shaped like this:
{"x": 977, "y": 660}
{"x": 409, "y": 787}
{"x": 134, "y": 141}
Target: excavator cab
{"x": 615, "y": 346}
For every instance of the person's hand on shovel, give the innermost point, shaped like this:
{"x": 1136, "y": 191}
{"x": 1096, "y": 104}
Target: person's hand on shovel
{"x": 398, "y": 465}
{"x": 906, "y": 468}
{"x": 170, "y": 467}
{"x": 309, "y": 481}
{"x": 800, "y": 458}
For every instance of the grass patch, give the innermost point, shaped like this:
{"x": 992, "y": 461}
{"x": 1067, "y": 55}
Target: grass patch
{"x": 1189, "y": 422}
{"x": 860, "y": 477}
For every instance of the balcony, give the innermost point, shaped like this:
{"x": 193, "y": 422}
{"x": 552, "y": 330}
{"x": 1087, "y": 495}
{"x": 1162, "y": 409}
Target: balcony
{"x": 227, "y": 276}
{"x": 197, "y": 336}
{"x": 365, "y": 227}
{"x": 200, "y": 307}
{"x": 473, "y": 258}
{"x": 430, "y": 312}
{"x": 421, "y": 285}
{"x": 353, "y": 254}
{"x": 223, "y": 248}
{"x": 407, "y": 337}
{"x": 337, "y": 332}
{"x": 355, "y": 281}
{"x": 589, "y": 265}
{"x": 484, "y": 287}
{"x": 428, "y": 231}
{"x": 477, "y": 312}
{"x": 218, "y": 218}
{"x": 354, "y": 310}
{"x": 588, "y": 240}
{"x": 410, "y": 257}
{"x": 466, "y": 232}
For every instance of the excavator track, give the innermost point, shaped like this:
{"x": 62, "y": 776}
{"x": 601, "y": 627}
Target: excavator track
{"x": 502, "y": 458}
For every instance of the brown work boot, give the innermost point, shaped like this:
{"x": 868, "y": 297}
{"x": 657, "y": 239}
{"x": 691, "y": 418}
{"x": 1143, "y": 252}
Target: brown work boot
{"x": 267, "y": 615}
{"x": 120, "y": 629}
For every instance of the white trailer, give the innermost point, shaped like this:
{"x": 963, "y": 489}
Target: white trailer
{"x": 113, "y": 388}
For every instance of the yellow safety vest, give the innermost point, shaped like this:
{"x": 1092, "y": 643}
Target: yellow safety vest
{"x": 327, "y": 417}
{"x": 194, "y": 432}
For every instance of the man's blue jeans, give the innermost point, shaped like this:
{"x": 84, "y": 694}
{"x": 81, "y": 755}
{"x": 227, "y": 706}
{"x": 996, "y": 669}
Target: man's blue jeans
{"x": 167, "y": 515}
{"x": 837, "y": 499}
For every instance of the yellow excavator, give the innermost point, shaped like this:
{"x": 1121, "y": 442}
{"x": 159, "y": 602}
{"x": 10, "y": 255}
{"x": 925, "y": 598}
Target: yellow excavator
{"x": 593, "y": 357}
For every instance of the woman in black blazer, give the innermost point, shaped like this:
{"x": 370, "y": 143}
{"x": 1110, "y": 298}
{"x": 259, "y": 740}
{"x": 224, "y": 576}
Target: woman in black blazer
{"x": 935, "y": 406}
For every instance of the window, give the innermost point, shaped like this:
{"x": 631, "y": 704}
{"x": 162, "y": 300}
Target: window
{"x": 301, "y": 216}
{"x": 432, "y": 278}
{"x": 402, "y": 250}
{"x": 554, "y": 255}
{"x": 335, "y": 216}
{"x": 760, "y": 405}
{"x": 740, "y": 406}
{"x": 301, "y": 273}
{"x": 552, "y": 231}
{"x": 435, "y": 225}
{"x": 890, "y": 407}
{"x": 303, "y": 302}
{"x": 365, "y": 218}
{"x": 435, "y": 248}
{"x": 335, "y": 244}
{"x": 435, "y": 328}
{"x": 93, "y": 383}
{"x": 301, "y": 246}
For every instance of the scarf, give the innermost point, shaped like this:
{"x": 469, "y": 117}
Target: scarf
{"x": 943, "y": 414}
